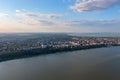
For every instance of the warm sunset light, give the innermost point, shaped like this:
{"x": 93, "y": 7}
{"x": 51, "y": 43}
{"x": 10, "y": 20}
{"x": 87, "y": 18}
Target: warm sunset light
{"x": 59, "y": 16}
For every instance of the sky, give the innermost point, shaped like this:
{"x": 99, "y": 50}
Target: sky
{"x": 81, "y": 16}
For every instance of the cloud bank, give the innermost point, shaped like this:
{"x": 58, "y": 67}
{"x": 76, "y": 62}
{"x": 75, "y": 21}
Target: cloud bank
{"x": 93, "y": 5}
{"x": 32, "y": 18}
{"x": 4, "y": 15}
{"x": 93, "y": 23}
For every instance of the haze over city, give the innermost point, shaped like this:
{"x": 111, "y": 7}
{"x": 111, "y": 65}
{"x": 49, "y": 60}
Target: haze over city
{"x": 59, "y": 16}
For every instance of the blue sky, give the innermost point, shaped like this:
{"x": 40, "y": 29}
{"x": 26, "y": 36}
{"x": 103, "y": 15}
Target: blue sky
{"x": 59, "y": 16}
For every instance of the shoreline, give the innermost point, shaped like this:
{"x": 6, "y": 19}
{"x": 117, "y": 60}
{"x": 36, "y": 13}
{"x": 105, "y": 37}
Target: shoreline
{"x": 37, "y": 52}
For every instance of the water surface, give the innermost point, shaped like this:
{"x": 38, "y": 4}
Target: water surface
{"x": 93, "y": 64}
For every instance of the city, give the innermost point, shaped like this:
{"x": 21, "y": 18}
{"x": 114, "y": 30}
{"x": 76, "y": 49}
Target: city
{"x": 58, "y": 41}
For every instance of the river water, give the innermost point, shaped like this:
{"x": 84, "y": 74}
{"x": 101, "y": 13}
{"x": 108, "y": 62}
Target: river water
{"x": 93, "y": 64}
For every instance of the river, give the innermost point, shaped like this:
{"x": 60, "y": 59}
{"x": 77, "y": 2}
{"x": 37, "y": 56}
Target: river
{"x": 92, "y": 64}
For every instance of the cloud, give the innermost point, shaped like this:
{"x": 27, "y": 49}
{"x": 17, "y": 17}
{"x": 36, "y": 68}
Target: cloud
{"x": 93, "y": 23}
{"x": 93, "y": 5}
{"x": 45, "y": 22}
{"x": 112, "y": 25}
{"x": 49, "y": 16}
{"x": 39, "y": 22}
{"x": 4, "y": 15}
{"x": 17, "y": 11}
{"x": 32, "y": 18}
{"x": 64, "y": 1}
{"x": 36, "y": 18}
{"x": 39, "y": 15}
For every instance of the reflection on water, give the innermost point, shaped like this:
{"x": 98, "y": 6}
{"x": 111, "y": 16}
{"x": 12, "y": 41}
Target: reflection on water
{"x": 94, "y": 64}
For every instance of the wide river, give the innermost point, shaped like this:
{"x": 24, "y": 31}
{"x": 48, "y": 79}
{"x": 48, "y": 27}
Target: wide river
{"x": 93, "y": 64}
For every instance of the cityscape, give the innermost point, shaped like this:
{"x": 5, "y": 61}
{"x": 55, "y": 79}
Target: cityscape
{"x": 55, "y": 41}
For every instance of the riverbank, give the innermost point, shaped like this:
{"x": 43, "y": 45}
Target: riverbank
{"x": 45, "y": 51}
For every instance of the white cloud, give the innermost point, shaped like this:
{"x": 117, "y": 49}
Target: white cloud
{"x": 4, "y": 15}
{"x": 17, "y": 11}
{"x": 93, "y": 5}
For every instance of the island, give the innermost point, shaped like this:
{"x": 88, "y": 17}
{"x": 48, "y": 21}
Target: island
{"x": 16, "y": 46}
